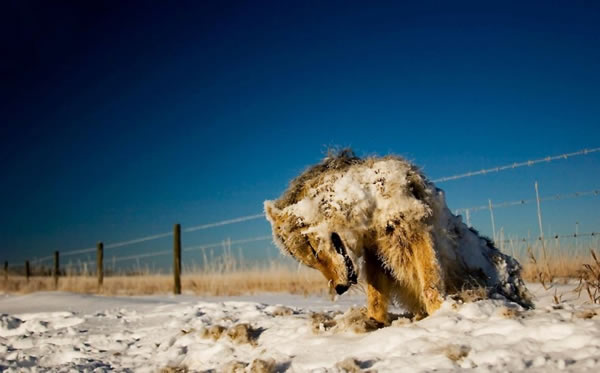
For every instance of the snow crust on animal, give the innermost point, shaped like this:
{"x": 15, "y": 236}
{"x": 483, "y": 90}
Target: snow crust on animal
{"x": 383, "y": 219}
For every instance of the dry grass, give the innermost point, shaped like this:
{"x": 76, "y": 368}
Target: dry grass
{"x": 456, "y": 352}
{"x": 589, "y": 279}
{"x": 558, "y": 266}
{"x": 236, "y": 283}
{"x": 223, "y": 275}
{"x": 229, "y": 276}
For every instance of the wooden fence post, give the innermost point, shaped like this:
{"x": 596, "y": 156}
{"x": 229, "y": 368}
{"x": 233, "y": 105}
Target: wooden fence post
{"x": 177, "y": 259}
{"x": 56, "y": 269}
{"x": 539, "y": 213}
{"x": 100, "y": 263}
{"x": 493, "y": 222}
{"x": 27, "y": 270}
{"x": 468, "y": 218}
{"x": 6, "y": 271}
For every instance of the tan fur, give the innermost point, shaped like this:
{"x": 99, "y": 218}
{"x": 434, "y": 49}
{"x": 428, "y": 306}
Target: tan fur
{"x": 383, "y": 212}
{"x": 416, "y": 268}
{"x": 379, "y": 288}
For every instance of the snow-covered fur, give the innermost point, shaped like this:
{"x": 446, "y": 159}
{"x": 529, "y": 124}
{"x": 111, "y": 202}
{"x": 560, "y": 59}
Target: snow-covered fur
{"x": 383, "y": 215}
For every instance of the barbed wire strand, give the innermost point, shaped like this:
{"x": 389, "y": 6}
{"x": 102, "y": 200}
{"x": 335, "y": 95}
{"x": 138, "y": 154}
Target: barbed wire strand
{"x": 233, "y": 242}
{"x": 224, "y": 222}
{"x": 516, "y": 165}
{"x": 140, "y": 256}
{"x": 556, "y": 236}
{"x": 554, "y": 197}
{"x": 76, "y": 252}
{"x": 42, "y": 259}
{"x": 137, "y": 240}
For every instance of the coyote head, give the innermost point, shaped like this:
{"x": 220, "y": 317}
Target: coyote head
{"x": 319, "y": 247}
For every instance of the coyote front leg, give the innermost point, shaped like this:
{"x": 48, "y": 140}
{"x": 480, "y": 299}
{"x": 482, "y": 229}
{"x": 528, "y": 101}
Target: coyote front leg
{"x": 379, "y": 286}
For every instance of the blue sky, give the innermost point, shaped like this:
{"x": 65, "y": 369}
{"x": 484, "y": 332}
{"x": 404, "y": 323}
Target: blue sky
{"x": 120, "y": 120}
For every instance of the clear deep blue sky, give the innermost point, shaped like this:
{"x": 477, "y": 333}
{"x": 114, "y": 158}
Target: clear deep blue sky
{"x": 119, "y": 120}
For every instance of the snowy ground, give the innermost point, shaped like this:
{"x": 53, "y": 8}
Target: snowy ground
{"x": 71, "y": 332}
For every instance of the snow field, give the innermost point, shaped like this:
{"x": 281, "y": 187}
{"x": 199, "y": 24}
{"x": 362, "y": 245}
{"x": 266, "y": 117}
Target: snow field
{"x": 293, "y": 334}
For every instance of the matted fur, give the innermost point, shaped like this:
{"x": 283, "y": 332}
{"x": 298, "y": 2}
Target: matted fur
{"x": 384, "y": 216}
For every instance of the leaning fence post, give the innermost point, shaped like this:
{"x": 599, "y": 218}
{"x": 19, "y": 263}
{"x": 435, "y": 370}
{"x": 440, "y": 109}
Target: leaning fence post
{"x": 539, "y": 214}
{"x": 468, "y": 212}
{"x": 177, "y": 259}
{"x": 27, "y": 270}
{"x": 100, "y": 263}
{"x": 491, "y": 207}
{"x": 56, "y": 269}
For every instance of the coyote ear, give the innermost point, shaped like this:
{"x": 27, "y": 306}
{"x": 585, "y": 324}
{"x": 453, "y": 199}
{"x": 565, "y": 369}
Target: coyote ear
{"x": 271, "y": 212}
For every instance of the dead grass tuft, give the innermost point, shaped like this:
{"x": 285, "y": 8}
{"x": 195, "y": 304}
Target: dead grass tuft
{"x": 352, "y": 365}
{"x": 509, "y": 312}
{"x": 585, "y": 314}
{"x": 541, "y": 273}
{"x": 322, "y": 321}
{"x": 354, "y": 320}
{"x": 239, "y": 333}
{"x": 244, "y": 333}
{"x": 178, "y": 369}
{"x": 233, "y": 367}
{"x": 262, "y": 366}
{"x": 558, "y": 267}
{"x": 256, "y": 366}
{"x": 213, "y": 332}
{"x": 282, "y": 311}
{"x": 348, "y": 365}
{"x": 589, "y": 279}
{"x": 471, "y": 295}
{"x": 456, "y": 352}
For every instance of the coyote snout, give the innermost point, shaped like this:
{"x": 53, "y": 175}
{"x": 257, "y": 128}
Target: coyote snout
{"x": 351, "y": 275}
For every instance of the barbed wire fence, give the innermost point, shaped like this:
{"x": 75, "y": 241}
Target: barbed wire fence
{"x": 466, "y": 212}
{"x": 515, "y": 165}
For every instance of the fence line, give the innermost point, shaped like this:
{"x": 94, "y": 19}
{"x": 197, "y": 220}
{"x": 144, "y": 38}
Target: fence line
{"x": 153, "y": 237}
{"x": 554, "y": 197}
{"x": 439, "y": 180}
{"x": 75, "y": 252}
{"x": 233, "y": 242}
{"x": 138, "y": 240}
{"x": 224, "y": 222}
{"x": 516, "y": 165}
{"x": 195, "y": 248}
{"x": 189, "y": 248}
{"x": 555, "y": 236}
{"x": 139, "y": 256}
{"x": 256, "y": 216}
{"x": 42, "y": 259}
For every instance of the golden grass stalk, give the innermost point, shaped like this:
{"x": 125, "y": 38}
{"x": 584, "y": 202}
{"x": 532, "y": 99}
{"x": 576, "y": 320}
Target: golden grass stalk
{"x": 589, "y": 279}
